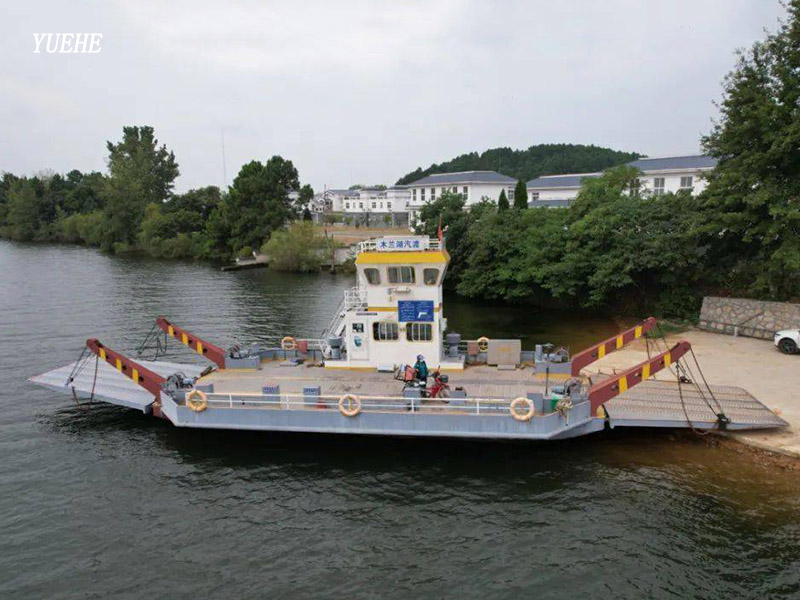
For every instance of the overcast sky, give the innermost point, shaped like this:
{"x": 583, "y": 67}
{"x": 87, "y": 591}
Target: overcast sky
{"x": 363, "y": 92}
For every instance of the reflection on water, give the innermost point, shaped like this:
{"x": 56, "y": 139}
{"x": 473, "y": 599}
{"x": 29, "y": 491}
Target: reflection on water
{"x": 575, "y": 331}
{"x": 110, "y": 503}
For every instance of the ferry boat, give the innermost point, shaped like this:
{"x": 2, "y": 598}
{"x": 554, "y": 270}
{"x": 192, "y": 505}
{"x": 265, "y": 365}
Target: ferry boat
{"x": 356, "y": 378}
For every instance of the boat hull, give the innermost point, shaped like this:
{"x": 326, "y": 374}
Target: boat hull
{"x": 399, "y": 423}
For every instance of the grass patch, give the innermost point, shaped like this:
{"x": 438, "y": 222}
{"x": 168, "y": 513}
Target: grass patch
{"x": 668, "y": 327}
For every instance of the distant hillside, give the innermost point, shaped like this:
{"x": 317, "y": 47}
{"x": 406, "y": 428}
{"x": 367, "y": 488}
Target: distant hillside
{"x": 544, "y": 159}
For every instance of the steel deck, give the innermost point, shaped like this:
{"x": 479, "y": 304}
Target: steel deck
{"x": 478, "y": 381}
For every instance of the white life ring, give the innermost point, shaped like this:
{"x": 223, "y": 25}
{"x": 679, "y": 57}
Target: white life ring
{"x": 483, "y": 344}
{"x": 349, "y": 405}
{"x": 529, "y": 410}
{"x": 197, "y": 406}
{"x": 288, "y": 343}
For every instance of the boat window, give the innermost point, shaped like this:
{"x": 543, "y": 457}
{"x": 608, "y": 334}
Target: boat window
{"x": 373, "y": 276}
{"x": 419, "y": 332}
{"x": 401, "y": 274}
{"x": 384, "y": 331}
{"x": 430, "y": 276}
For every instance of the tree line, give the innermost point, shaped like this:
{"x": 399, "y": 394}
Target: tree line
{"x": 524, "y": 165}
{"x": 610, "y": 250}
{"x": 134, "y": 207}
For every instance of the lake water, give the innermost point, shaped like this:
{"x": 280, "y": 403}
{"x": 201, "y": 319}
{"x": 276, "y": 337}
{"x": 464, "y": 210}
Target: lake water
{"x": 109, "y": 503}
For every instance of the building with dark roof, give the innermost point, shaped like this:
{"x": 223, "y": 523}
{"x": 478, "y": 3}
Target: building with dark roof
{"x": 464, "y": 177}
{"x": 659, "y": 176}
{"x": 474, "y": 187}
{"x": 673, "y": 163}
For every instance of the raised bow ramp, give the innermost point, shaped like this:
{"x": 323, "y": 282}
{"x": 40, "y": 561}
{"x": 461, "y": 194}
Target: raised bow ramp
{"x": 110, "y": 385}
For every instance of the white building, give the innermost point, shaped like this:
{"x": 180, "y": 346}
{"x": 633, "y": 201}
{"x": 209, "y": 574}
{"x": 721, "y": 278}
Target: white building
{"x": 474, "y": 186}
{"x": 397, "y": 198}
{"x": 363, "y": 203}
{"x": 376, "y": 200}
{"x": 659, "y": 176}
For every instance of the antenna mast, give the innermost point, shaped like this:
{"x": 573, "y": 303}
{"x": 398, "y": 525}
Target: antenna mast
{"x": 224, "y": 169}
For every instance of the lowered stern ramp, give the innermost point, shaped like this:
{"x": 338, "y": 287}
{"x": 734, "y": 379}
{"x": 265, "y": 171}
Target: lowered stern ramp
{"x": 662, "y": 404}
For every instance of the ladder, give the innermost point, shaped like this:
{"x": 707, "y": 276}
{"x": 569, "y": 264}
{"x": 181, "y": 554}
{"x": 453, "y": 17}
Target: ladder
{"x": 352, "y": 299}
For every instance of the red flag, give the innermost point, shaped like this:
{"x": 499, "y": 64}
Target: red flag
{"x": 439, "y": 232}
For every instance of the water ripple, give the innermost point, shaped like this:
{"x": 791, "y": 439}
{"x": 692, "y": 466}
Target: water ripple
{"x": 109, "y": 503}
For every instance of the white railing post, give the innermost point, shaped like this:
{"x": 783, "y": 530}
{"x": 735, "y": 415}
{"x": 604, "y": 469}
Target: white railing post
{"x": 230, "y": 400}
{"x": 477, "y": 406}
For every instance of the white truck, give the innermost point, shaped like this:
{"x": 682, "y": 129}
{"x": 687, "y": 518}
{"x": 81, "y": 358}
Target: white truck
{"x": 788, "y": 340}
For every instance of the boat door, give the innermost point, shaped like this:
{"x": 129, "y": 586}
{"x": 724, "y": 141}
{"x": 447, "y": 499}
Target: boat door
{"x": 359, "y": 341}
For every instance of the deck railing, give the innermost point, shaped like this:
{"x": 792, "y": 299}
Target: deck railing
{"x": 369, "y": 404}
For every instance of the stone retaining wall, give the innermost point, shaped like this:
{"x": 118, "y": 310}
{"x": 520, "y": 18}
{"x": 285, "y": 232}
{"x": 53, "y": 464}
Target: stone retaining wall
{"x": 750, "y": 318}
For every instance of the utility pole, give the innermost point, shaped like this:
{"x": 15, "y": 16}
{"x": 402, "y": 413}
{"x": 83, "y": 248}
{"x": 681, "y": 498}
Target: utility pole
{"x": 224, "y": 167}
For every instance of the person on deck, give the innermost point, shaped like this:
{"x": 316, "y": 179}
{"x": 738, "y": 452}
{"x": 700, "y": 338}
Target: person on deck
{"x": 421, "y": 369}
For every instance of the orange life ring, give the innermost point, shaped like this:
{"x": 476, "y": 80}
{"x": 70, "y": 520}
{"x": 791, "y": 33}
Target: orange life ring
{"x": 197, "y": 405}
{"x": 483, "y": 344}
{"x": 527, "y": 415}
{"x": 349, "y": 405}
{"x": 288, "y": 343}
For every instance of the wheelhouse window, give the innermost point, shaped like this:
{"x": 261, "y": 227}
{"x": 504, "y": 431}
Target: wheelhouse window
{"x": 373, "y": 276}
{"x": 419, "y": 332}
{"x": 385, "y": 331}
{"x": 430, "y": 276}
{"x": 401, "y": 274}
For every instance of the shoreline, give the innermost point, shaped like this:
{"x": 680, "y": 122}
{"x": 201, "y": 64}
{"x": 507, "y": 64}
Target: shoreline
{"x": 766, "y": 456}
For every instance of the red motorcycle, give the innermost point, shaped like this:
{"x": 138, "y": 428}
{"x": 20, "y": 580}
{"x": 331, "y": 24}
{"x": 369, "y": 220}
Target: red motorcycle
{"x": 440, "y": 387}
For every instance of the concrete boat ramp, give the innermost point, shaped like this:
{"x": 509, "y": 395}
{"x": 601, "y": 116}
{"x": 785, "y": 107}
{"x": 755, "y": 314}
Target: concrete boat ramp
{"x": 305, "y": 398}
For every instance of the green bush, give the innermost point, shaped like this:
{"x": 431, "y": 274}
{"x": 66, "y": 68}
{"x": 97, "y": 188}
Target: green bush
{"x": 298, "y": 249}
